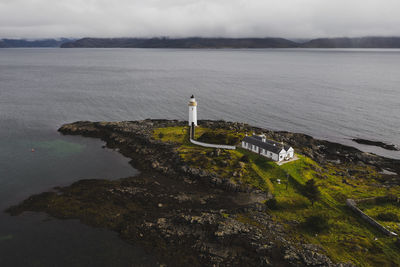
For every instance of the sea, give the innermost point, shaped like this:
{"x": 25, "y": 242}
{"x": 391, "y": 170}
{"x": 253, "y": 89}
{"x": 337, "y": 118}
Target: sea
{"x": 332, "y": 94}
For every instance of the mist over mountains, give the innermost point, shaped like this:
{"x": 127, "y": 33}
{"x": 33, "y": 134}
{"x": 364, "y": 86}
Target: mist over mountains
{"x": 10, "y": 43}
{"x": 364, "y": 42}
{"x": 184, "y": 43}
{"x": 199, "y": 42}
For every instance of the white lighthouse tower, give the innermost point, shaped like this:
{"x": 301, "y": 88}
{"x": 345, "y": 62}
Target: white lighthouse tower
{"x": 192, "y": 111}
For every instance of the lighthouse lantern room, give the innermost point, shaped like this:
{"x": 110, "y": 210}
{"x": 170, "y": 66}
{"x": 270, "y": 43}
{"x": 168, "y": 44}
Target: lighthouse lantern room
{"x": 192, "y": 111}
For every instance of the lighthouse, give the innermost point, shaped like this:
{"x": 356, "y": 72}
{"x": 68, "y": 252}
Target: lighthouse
{"x": 192, "y": 111}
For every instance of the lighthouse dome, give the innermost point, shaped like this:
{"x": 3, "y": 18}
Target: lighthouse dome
{"x": 192, "y": 101}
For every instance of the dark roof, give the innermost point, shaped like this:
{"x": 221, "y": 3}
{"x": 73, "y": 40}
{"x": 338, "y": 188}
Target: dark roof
{"x": 257, "y": 137}
{"x": 286, "y": 147}
{"x": 265, "y": 145}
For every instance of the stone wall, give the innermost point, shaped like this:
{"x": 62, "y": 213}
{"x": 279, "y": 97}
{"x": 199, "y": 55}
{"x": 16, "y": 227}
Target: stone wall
{"x": 353, "y": 205}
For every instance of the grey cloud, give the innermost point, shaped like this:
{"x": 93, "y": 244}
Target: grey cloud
{"x": 208, "y": 18}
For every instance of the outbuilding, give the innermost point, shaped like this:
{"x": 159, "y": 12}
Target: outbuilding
{"x": 261, "y": 145}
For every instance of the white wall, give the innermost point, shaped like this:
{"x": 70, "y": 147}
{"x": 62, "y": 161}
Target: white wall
{"x": 290, "y": 152}
{"x": 211, "y": 145}
{"x": 192, "y": 115}
{"x": 282, "y": 155}
{"x": 265, "y": 153}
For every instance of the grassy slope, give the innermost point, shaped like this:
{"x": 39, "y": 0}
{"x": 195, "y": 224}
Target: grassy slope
{"x": 374, "y": 209}
{"x": 348, "y": 238}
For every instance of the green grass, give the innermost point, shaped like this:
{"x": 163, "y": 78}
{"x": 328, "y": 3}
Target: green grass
{"x": 374, "y": 210}
{"x": 349, "y": 239}
{"x": 172, "y": 134}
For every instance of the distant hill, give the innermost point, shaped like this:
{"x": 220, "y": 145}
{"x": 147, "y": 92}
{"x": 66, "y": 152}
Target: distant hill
{"x": 198, "y": 42}
{"x": 10, "y": 43}
{"x": 363, "y": 42}
{"x": 182, "y": 43}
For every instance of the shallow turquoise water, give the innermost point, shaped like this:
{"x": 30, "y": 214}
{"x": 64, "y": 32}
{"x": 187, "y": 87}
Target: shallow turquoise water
{"x": 34, "y": 239}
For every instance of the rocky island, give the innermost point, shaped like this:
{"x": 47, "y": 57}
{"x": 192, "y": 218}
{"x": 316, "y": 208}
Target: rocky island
{"x": 210, "y": 207}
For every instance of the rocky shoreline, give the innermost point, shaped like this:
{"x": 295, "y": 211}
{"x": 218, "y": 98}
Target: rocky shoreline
{"x": 376, "y": 143}
{"x": 187, "y": 215}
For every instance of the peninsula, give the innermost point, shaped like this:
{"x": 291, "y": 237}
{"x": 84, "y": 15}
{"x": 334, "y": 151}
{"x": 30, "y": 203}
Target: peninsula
{"x": 208, "y": 206}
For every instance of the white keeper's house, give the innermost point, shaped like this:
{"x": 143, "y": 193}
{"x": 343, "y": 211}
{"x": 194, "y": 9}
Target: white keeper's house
{"x": 261, "y": 145}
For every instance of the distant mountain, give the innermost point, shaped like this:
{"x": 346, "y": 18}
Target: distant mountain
{"x": 300, "y": 40}
{"x": 198, "y": 42}
{"x": 10, "y": 43}
{"x": 182, "y": 43}
{"x": 363, "y": 42}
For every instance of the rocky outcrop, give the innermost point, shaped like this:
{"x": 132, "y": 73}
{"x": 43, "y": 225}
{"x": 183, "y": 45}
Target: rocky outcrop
{"x": 134, "y": 140}
{"x": 181, "y": 222}
{"x": 376, "y": 143}
{"x": 186, "y": 215}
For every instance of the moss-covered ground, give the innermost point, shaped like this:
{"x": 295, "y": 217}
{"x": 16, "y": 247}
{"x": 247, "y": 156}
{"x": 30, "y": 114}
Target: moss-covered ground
{"x": 375, "y": 210}
{"x": 348, "y": 239}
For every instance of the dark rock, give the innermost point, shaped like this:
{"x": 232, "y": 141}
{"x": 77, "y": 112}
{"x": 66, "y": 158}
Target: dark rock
{"x": 376, "y": 143}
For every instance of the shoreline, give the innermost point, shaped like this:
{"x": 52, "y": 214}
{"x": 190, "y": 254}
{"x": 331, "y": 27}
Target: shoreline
{"x": 390, "y": 147}
{"x": 185, "y": 214}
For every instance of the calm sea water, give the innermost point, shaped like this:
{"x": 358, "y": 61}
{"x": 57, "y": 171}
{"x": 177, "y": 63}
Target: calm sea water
{"x": 331, "y": 94}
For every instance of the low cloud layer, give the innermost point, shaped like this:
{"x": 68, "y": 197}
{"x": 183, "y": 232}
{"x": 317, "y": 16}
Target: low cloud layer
{"x": 207, "y": 18}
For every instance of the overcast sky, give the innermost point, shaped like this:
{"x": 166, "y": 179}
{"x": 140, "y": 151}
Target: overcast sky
{"x": 208, "y": 18}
